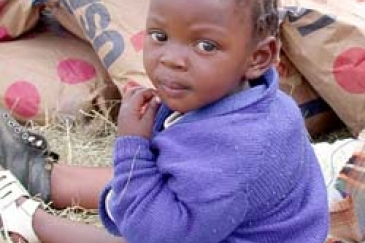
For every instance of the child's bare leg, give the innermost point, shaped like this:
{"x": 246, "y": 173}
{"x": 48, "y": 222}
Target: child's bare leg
{"x": 51, "y": 229}
{"x": 78, "y": 185}
{"x": 38, "y": 225}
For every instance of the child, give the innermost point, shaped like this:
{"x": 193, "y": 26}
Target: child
{"x": 225, "y": 159}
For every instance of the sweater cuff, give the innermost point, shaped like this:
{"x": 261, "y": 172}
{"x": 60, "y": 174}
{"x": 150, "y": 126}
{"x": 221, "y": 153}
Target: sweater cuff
{"x": 132, "y": 147}
{"x": 103, "y": 212}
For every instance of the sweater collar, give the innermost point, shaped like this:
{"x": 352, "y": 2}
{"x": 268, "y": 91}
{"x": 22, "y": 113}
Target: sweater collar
{"x": 266, "y": 90}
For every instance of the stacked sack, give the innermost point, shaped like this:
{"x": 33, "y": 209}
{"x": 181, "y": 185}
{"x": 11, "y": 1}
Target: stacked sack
{"x": 115, "y": 29}
{"x": 17, "y": 17}
{"x": 46, "y": 72}
{"x": 325, "y": 40}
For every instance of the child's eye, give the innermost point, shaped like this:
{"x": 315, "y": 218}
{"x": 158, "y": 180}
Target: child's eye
{"x": 158, "y": 36}
{"x": 207, "y": 46}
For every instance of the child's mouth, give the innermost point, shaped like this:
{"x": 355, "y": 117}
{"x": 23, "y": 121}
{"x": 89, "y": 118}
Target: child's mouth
{"x": 172, "y": 89}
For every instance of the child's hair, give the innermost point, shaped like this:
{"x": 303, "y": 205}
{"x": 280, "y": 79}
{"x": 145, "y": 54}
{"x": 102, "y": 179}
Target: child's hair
{"x": 265, "y": 17}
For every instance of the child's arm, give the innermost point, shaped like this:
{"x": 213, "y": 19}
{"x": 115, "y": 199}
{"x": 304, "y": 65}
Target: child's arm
{"x": 150, "y": 206}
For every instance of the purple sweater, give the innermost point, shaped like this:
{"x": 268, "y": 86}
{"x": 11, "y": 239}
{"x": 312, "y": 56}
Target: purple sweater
{"x": 238, "y": 171}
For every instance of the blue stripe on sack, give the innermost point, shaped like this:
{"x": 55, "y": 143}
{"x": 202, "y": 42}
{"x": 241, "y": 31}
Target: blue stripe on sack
{"x": 314, "y": 107}
{"x": 36, "y": 2}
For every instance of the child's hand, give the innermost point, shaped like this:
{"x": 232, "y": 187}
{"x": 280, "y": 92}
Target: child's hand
{"x": 137, "y": 112}
{"x": 129, "y": 85}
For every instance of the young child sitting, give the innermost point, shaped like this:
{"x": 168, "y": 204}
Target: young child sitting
{"x": 216, "y": 153}
{"x": 226, "y": 158}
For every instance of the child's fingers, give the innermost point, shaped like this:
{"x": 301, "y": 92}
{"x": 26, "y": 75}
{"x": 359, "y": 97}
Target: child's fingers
{"x": 141, "y": 97}
{"x": 152, "y": 108}
{"x": 129, "y": 85}
{"x": 132, "y": 91}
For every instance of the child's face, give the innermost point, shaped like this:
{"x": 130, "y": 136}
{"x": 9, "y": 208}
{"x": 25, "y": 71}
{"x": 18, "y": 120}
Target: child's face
{"x": 196, "y": 52}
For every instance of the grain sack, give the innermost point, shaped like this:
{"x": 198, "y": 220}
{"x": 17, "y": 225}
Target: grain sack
{"x": 356, "y": 7}
{"x": 17, "y": 17}
{"x": 115, "y": 29}
{"x": 327, "y": 45}
{"x": 47, "y": 74}
{"x": 319, "y": 117}
{"x": 65, "y": 18}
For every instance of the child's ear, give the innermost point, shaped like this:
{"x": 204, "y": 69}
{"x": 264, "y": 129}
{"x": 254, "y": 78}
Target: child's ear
{"x": 263, "y": 57}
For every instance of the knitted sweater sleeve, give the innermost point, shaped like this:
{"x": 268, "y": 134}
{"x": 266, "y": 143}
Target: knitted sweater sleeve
{"x": 193, "y": 195}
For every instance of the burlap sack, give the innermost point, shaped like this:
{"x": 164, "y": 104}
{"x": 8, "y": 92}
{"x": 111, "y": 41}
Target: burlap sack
{"x": 65, "y": 18}
{"x": 47, "y": 74}
{"x": 327, "y": 45}
{"x": 17, "y": 17}
{"x": 319, "y": 117}
{"x": 115, "y": 28}
{"x": 356, "y": 7}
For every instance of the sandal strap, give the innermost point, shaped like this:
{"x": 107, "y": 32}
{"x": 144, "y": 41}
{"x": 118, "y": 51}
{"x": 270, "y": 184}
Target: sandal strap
{"x": 19, "y": 219}
{"x": 16, "y": 219}
{"x": 10, "y": 189}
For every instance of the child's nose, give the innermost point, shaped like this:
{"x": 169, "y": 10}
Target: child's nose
{"x": 174, "y": 58}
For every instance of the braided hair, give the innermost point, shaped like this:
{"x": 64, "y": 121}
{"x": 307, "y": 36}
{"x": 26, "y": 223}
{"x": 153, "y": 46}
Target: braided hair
{"x": 265, "y": 17}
